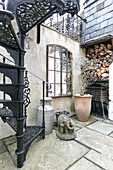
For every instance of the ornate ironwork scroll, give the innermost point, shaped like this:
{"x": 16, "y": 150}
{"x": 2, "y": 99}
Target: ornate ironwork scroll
{"x": 26, "y": 91}
{"x": 6, "y": 35}
{"x": 71, "y": 7}
{"x": 30, "y": 14}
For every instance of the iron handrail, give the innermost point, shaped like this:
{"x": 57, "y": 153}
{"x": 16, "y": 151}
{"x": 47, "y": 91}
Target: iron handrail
{"x": 38, "y": 77}
{"x": 43, "y": 101}
{"x": 7, "y": 58}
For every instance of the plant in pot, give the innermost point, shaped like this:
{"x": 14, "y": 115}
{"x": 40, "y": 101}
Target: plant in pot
{"x": 83, "y": 100}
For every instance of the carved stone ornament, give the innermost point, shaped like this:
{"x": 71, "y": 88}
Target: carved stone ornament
{"x": 66, "y": 128}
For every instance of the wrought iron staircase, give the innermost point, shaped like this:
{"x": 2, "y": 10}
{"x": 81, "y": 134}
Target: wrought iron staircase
{"x": 14, "y": 110}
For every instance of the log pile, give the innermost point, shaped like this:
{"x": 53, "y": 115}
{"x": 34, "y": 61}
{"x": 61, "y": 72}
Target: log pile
{"x": 101, "y": 56}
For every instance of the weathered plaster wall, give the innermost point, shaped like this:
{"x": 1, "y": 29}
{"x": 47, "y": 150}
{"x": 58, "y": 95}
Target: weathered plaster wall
{"x": 99, "y": 15}
{"x": 35, "y": 61}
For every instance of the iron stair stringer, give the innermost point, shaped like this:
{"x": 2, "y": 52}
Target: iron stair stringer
{"x": 15, "y": 72}
{"x": 15, "y": 91}
{"x": 10, "y": 71}
{"x": 12, "y": 111}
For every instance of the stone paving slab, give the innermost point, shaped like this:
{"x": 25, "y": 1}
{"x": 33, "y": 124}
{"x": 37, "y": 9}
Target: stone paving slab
{"x": 96, "y": 141}
{"x": 96, "y": 118}
{"x": 108, "y": 121}
{"x": 100, "y": 159}
{"x": 82, "y": 124}
{"x": 101, "y": 127}
{"x": 6, "y": 163}
{"x": 10, "y": 140}
{"x": 84, "y": 164}
{"x": 11, "y": 149}
{"x": 5, "y": 130}
{"x": 111, "y": 135}
{"x": 2, "y": 147}
{"x": 53, "y": 154}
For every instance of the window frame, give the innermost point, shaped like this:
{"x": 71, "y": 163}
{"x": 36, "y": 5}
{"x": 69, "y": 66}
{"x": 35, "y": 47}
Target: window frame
{"x": 68, "y": 53}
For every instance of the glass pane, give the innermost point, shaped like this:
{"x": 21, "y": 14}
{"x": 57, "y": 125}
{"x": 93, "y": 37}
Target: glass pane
{"x": 68, "y": 78}
{"x": 69, "y": 87}
{"x": 57, "y": 89}
{"x": 63, "y": 65}
{"x": 51, "y": 51}
{"x": 64, "y": 89}
{"x": 57, "y": 77}
{"x": 57, "y": 64}
{"x": 51, "y": 76}
{"x": 63, "y": 50}
{"x": 58, "y": 52}
{"x": 64, "y": 56}
{"x": 63, "y": 77}
{"x": 51, "y": 91}
{"x": 51, "y": 63}
{"x": 68, "y": 66}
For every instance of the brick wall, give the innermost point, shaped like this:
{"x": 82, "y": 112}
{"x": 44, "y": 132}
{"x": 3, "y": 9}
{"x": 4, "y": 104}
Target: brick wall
{"x": 99, "y": 15}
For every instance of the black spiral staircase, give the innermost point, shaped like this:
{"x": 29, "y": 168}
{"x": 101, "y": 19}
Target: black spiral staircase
{"x": 13, "y": 111}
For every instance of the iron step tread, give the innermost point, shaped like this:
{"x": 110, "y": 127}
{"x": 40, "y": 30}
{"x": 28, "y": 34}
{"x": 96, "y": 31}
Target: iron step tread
{"x": 11, "y": 85}
{"x": 30, "y": 133}
{"x": 12, "y": 123}
{"x": 11, "y": 88}
{"x": 4, "y": 65}
{"x": 4, "y": 112}
{"x": 10, "y": 101}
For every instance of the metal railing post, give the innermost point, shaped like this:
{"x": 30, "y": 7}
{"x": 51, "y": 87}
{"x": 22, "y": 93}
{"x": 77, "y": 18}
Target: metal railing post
{"x": 43, "y": 101}
{"x": 43, "y": 121}
{"x": 57, "y": 22}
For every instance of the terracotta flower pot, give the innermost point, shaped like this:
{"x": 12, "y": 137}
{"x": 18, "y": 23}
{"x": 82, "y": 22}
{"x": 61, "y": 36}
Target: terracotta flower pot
{"x": 83, "y": 107}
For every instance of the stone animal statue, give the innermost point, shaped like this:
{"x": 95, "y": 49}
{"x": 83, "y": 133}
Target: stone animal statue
{"x": 59, "y": 112}
{"x": 66, "y": 128}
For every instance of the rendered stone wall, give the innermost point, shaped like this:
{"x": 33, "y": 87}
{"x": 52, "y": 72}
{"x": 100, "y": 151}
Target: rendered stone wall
{"x": 35, "y": 61}
{"x": 99, "y": 15}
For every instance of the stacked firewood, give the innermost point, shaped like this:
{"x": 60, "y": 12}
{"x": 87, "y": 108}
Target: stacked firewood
{"x": 101, "y": 56}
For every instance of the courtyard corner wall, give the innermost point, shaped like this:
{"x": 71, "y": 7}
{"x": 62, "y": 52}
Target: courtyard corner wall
{"x": 35, "y": 61}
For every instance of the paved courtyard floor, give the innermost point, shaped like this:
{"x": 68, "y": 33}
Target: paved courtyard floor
{"x": 92, "y": 149}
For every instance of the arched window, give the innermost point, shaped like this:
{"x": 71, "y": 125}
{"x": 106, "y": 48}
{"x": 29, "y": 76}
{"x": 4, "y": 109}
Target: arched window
{"x": 59, "y": 71}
